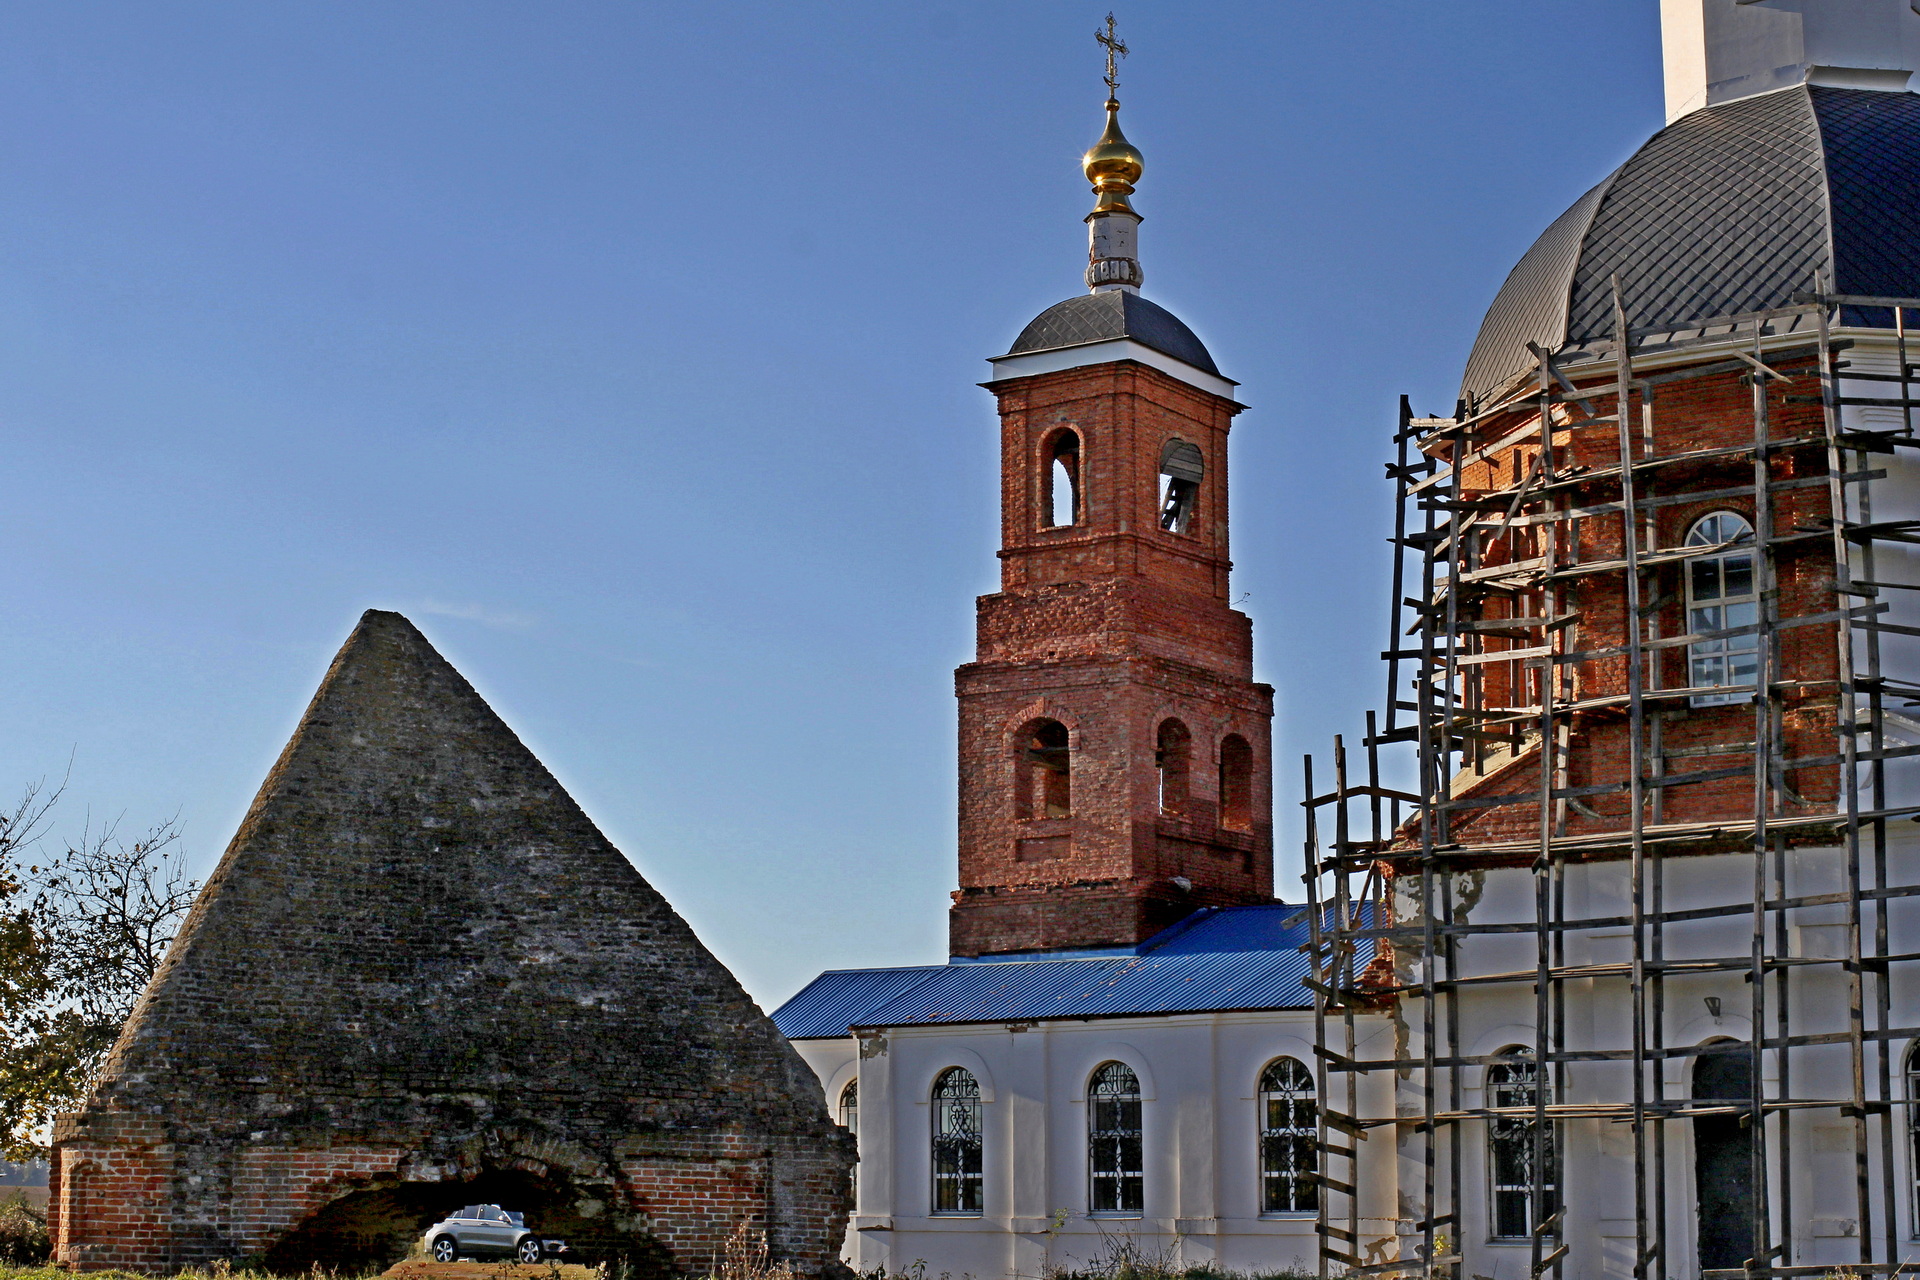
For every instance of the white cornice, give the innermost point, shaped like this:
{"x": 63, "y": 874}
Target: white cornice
{"x": 1029, "y": 363}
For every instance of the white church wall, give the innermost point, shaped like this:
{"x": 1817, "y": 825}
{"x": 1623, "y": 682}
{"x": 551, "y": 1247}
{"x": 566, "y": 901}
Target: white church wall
{"x": 1596, "y": 1171}
{"x": 1199, "y": 1077}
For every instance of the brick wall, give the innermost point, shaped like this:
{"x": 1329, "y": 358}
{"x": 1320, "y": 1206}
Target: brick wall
{"x": 1109, "y": 627}
{"x": 419, "y": 977}
{"x": 1704, "y": 413}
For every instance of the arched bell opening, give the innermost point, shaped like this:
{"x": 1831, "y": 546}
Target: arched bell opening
{"x": 370, "y": 1230}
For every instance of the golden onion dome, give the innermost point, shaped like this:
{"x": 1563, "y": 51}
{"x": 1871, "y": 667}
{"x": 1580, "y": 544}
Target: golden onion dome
{"x": 1112, "y": 165}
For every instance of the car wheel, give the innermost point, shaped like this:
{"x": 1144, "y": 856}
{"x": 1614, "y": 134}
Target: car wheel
{"x": 529, "y": 1250}
{"x": 445, "y": 1249}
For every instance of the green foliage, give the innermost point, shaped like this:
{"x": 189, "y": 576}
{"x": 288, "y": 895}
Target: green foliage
{"x": 23, "y": 1232}
{"x": 81, "y": 934}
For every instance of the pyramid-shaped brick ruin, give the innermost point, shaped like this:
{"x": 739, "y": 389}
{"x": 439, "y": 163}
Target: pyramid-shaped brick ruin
{"x": 420, "y": 978}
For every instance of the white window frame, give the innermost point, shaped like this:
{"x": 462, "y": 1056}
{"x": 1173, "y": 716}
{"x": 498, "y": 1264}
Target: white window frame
{"x": 1100, "y": 1108}
{"x": 1298, "y": 1170}
{"x": 1731, "y": 663}
{"x": 953, "y": 1117}
{"x": 1510, "y": 1092}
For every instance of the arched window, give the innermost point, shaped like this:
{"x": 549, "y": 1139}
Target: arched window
{"x": 1181, "y": 467}
{"x": 1513, "y": 1086}
{"x": 1174, "y": 756}
{"x": 956, "y": 1143}
{"x": 1113, "y": 1142}
{"x": 1062, "y": 484}
{"x": 849, "y": 1117}
{"x": 1043, "y": 771}
{"x": 1236, "y": 783}
{"x": 1289, "y": 1139}
{"x": 1720, "y": 595}
{"x": 1913, "y": 1127}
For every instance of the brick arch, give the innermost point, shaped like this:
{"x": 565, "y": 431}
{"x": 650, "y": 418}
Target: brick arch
{"x": 358, "y": 1223}
{"x": 79, "y": 1200}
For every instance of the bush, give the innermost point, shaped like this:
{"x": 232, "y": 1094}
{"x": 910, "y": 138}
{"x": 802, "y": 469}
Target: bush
{"x": 23, "y": 1232}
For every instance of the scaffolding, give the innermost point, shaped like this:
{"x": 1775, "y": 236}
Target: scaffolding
{"x": 1531, "y": 587}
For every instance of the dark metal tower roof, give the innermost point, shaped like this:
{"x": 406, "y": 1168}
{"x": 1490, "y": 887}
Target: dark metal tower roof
{"x": 1106, "y": 316}
{"x": 1730, "y": 209}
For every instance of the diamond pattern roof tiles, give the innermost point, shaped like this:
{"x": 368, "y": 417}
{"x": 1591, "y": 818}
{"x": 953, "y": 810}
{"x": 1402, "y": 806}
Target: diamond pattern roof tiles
{"x": 1730, "y": 209}
{"x": 1104, "y": 317}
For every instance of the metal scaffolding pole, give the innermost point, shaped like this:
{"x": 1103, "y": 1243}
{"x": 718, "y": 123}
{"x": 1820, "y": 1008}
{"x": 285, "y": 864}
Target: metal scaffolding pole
{"x": 1549, "y": 740}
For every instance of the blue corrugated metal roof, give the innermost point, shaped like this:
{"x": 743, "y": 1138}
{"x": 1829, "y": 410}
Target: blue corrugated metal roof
{"x": 828, "y": 1005}
{"x": 1215, "y": 960}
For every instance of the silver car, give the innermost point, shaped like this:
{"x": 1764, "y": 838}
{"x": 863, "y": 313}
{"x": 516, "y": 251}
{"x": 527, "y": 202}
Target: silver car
{"x": 488, "y": 1229}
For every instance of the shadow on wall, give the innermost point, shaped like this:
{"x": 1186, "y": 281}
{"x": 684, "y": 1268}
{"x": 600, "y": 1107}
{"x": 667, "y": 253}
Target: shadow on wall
{"x": 373, "y": 1229}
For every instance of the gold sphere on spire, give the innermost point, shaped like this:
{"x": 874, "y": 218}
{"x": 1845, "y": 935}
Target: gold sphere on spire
{"x": 1112, "y": 165}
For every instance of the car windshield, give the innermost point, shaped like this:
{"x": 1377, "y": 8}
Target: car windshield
{"x": 517, "y": 1219}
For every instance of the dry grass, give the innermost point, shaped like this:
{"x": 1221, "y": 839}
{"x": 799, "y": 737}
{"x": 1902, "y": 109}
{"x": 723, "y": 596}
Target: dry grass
{"x": 745, "y": 1257}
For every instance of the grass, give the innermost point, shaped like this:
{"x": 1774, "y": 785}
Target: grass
{"x": 1121, "y": 1258}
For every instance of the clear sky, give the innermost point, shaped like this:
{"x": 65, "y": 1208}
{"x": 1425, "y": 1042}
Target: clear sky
{"x": 630, "y": 349}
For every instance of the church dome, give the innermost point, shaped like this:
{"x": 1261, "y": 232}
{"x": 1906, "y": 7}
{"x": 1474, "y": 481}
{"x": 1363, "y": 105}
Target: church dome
{"x": 1730, "y": 209}
{"x": 1110, "y": 315}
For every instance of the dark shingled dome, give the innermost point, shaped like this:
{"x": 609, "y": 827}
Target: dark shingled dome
{"x": 1103, "y": 317}
{"x": 1733, "y": 208}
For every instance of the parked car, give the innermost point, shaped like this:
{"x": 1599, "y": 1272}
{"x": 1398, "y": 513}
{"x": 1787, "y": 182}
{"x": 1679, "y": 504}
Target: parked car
{"x": 488, "y": 1229}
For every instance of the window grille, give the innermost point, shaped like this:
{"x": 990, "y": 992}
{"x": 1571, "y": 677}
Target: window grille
{"x": 1720, "y": 595}
{"x": 1510, "y": 1149}
{"x": 956, "y": 1143}
{"x": 1289, "y": 1139}
{"x": 1113, "y": 1142}
{"x": 1913, "y": 1130}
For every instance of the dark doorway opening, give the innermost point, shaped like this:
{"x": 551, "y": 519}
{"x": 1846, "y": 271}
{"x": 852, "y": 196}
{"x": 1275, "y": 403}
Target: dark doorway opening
{"x": 1723, "y": 1157}
{"x": 369, "y": 1231}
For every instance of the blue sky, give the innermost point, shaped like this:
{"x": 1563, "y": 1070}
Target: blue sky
{"x": 631, "y": 350}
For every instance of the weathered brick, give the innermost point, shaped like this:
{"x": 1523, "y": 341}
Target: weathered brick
{"x": 1110, "y": 627}
{"x": 420, "y": 977}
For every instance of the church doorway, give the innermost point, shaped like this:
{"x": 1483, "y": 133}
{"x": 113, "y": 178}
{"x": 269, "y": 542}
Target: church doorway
{"x": 1723, "y": 1157}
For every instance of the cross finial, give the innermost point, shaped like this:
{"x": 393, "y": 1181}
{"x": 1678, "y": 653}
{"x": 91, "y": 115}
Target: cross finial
{"x": 1116, "y": 48}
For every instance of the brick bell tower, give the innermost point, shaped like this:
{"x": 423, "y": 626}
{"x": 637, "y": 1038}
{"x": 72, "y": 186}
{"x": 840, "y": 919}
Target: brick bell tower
{"x": 1115, "y": 751}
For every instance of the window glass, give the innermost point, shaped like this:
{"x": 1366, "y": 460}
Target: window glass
{"x": 1114, "y": 1145}
{"x": 1289, "y": 1139}
{"x": 1512, "y": 1086}
{"x": 956, "y": 1143}
{"x": 1720, "y": 596}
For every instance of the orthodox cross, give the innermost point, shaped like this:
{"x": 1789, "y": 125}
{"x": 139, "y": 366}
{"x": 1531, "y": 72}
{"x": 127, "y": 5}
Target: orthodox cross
{"x": 1115, "y": 47}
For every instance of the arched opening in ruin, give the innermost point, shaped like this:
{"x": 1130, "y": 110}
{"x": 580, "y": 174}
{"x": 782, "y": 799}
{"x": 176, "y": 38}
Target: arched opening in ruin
{"x": 371, "y": 1229}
